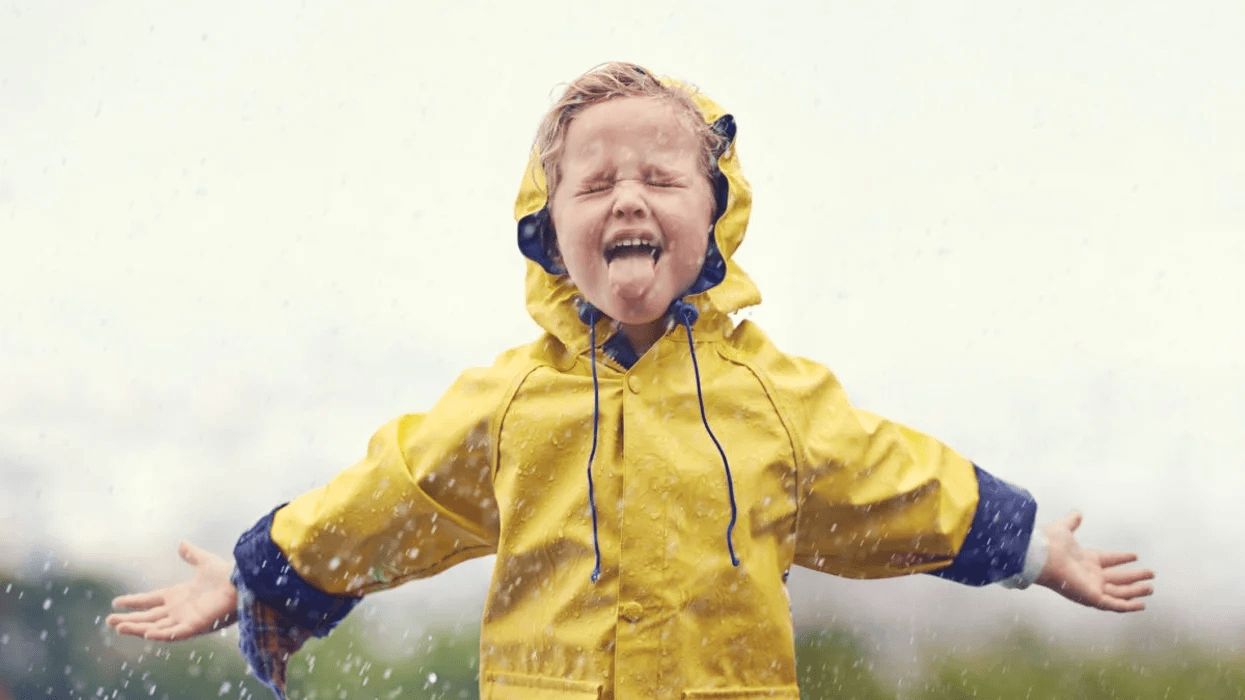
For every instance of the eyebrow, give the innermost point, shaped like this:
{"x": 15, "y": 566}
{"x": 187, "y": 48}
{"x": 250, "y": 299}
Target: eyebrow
{"x": 597, "y": 168}
{"x": 598, "y": 175}
{"x": 661, "y": 170}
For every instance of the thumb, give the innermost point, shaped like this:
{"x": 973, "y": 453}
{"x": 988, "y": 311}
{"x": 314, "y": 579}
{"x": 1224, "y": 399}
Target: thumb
{"x": 189, "y": 553}
{"x": 1073, "y": 520}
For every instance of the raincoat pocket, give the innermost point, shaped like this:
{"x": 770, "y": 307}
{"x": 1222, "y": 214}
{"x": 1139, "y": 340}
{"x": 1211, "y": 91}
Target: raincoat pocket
{"x": 514, "y": 686}
{"x": 779, "y": 692}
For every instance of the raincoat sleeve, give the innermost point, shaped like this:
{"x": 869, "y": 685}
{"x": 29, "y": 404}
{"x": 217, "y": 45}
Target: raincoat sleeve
{"x": 420, "y": 501}
{"x": 879, "y": 499}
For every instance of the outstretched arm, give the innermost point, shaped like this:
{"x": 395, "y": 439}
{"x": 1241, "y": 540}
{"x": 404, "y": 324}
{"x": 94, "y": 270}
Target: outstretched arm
{"x": 209, "y": 602}
{"x": 1089, "y": 576}
{"x": 206, "y": 602}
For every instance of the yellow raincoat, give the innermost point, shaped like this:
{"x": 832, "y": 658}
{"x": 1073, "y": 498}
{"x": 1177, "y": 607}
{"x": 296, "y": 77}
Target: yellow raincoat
{"x": 497, "y": 466}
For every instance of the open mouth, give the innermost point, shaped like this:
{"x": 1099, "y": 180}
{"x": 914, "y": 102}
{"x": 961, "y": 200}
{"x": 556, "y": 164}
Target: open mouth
{"x": 629, "y": 247}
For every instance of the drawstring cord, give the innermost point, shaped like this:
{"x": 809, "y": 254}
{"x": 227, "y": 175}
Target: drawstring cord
{"x": 589, "y": 315}
{"x": 687, "y": 315}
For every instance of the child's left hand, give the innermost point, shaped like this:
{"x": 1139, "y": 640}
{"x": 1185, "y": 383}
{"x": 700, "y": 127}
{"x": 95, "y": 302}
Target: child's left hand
{"x": 1090, "y": 576}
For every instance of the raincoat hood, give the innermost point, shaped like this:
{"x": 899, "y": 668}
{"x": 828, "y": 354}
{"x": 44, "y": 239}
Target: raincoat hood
{"x": 722, "y": 288}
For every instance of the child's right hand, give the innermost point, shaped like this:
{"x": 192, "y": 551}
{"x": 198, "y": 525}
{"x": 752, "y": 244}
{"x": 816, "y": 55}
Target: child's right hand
{"x": 201, "y": 605}
{"x": 1089, "y": 576}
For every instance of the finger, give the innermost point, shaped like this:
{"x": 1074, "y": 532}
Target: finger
{"x": 189, "y": 553}
{"x": 1116, "y": 558}
{"x": 124, "y": 629}
{"x": 139, "y": 601}
{"x": 1126, "y": 576}
{"x": 115, "y": 619}
{"x": 1073, "y": 520}
{"x": 133, "y": 629}
{"x": 1118, "y": 605}
{"x": 138, "y": 617}
{"x": 1135, "y": 590}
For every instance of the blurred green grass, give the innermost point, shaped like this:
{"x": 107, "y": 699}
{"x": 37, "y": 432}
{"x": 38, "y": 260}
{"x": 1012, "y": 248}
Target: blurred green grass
{"x": 54, "y": 644}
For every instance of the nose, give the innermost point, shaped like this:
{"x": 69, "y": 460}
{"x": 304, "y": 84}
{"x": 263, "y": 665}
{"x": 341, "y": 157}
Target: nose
{"x": 629, "y": 200}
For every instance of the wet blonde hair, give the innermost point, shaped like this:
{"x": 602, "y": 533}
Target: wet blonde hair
{"x": 613, "y": 80}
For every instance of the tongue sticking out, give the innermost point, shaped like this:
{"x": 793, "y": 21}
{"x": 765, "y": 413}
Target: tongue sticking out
{"x": 631, "y": 275}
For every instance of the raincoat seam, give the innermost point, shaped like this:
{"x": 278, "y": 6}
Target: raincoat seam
{"x": 472, "y": 528}
{"x": 499, "y": 417}
{"x": 490, "y": 540}
{"x": 771, "y": 393}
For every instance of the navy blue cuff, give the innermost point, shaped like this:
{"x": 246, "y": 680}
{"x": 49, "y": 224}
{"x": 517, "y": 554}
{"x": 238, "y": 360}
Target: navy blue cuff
{"x": 266, "y": 572}
{"x": 998, "y": 541}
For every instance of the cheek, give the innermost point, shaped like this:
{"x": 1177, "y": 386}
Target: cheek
{"x": 574, "y": 236}
{"x": 695, "y": 224}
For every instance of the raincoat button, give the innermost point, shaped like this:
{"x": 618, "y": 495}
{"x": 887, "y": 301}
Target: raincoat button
{"x": 630, "y": 611}
{"x": 633, "y": 383}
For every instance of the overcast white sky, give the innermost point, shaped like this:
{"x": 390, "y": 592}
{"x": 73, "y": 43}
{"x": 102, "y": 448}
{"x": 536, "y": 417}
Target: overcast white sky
{"x": 239, "y": 237}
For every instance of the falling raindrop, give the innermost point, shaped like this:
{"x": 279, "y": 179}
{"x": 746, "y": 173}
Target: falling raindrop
{"x": 47, "y": 603}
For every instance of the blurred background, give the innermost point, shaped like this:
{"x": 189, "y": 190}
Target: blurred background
{"x": 236, "y": 239}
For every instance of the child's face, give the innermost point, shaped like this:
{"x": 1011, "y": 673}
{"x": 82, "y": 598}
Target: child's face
{"x": 632, "y": 209}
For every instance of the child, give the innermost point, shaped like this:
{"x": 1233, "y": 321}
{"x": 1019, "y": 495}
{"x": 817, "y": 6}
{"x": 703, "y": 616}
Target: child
{"x": 647, "y": 472}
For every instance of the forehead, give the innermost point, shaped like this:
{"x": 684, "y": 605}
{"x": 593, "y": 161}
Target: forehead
{"x": 629, "y": 128}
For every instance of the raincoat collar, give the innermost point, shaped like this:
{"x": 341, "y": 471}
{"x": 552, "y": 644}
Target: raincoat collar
{"x": 723, "y": 287}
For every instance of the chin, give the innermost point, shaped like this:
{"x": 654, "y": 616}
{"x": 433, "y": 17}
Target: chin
{"x": 638, "y": 315}
{"x": 638, "y": 319}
